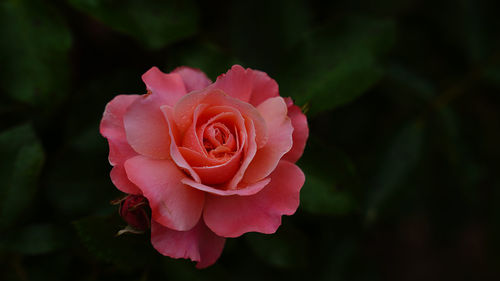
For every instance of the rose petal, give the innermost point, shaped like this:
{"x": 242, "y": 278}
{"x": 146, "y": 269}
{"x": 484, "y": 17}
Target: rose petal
{"x": 231, "y": 216}
{"x": 221, "y": 173}
{"x": 237, "y": 82}
{"x": 244, "y": 190}
{"x": 199, "y": 244}
{"x": 175, "y": 139}
{"x": 264, "y": 87}
{"x": 274, "y": 111}
{"x": 191, "y": 139}
{"x": 192, "y": 149}
{"x": 170, "y": 87}
{"x": 146, "y": 127}
{"x": 300, "y": 133}
{"x": 223, "y": 114}
{"x": 196, "y": 159}
{"x": 112, "y": 128}
{"x": 250, "y": 148}
{"x": 172, "y": 203}
{"x": 248, "y": 85}
{"x": 120, "y": 180}
{"x": 194, "y": 79}
{"x": 210, "y": 170}
{"x": 183, "y": 111}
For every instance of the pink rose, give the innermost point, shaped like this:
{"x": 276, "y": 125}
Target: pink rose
{"x": 214, "y": 160}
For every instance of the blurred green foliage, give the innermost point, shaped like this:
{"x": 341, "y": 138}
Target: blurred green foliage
{"x": 401, "y": 166}
{"x": 22, "y": 160}
{"x": 34, "y": 53}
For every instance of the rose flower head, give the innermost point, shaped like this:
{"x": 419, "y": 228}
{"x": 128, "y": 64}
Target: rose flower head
{"x": 214, "y": 160}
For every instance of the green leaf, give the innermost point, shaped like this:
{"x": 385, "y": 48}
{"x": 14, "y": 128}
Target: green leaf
{"x": 400, "y": 158}
{"x": 127, "y": 250}
{"x": 468, "y": 24}
{"x": 33, "y": 52}
{"x": 405, "y": 80}
{"x": 287, "y": 248}
{"x": 329, "y": 186}
{"x": 261, "y": 43}
{"x": 20, "y": 166}
{"x": 36, "y": 239}
{"x": 319, "y": 196}
{"x": 342, "y": 63}
{"x": 154, "y": 24}
{"x": 343, "y": 251}
{"x": 492, "y": 75}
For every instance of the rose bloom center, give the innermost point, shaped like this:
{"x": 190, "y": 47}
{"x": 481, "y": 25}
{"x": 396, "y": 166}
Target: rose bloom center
{"x": 219, "y": 141}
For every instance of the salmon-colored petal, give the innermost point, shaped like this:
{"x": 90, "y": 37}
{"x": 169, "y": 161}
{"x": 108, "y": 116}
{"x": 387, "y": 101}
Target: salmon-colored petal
{"x": 244, "y": 190}
{"x": 194, "y": 79}
{"x": 146, "y": 127}
{"x": 231, "y": 216}
{"x": 219, "y": 174}
{"x": 190, "y": 138}
{"x": 119, "y": 151}
{"x": 112, "y": 128}
{"x": 183, "y": 111}
{"x": 237, "y": 82}
{"x": 300, "y": 133}
{"x": 120, "y": 180}
{"x": 173, "y": 204}
{"x": 249, "y": 149}
{"x": 170, "y": 87}
{"x": 274, "y": 111}
{"x": 199, "y": 244}
{"x": 248, "y": 85}
{"x": 264, "y": 87}
{"x": 196, "y": 159}
{"x": 226, "y": 115}
{"x": 175, "y": 139}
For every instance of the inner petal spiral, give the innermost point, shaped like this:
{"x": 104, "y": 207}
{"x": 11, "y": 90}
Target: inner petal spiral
{"x": 219, "y": 141}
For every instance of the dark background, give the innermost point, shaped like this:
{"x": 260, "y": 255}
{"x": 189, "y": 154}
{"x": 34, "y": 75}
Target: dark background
{"x": 402, "y": 98}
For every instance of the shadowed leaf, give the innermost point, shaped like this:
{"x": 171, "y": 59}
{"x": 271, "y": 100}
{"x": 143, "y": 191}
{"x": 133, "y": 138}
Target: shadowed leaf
{"x": 22, "y": 160}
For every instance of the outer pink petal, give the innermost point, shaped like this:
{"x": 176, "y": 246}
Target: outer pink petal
{"x": 244, "y": 190}
{"x": 231, "y": 216}
{"x": 199, "y": 244}
{"x": 300, "y": 133}
{"x": 169, "y": 86}
{"x": 120, "y": 180}
{"x": 112, "y": 128}
{"x": 274, "y": 111}
{"x": 173, "y": 204}
{"x": 146, "y": 128}
{"x": 194, "y": 79}
{"x": 248, "y": 85}
{"x": 264, "y": 87}
{"x": 237, "y": 82}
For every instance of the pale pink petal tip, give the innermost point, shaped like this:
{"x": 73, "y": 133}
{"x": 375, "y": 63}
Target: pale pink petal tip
{"x": 247, "y": 85}
{"x": 172, "y": 203}
{"x": 194, "y": 79}
{"x": 232, "y": 216}
{"x": 300, "y": 133}
{"x": 198, "y": 244}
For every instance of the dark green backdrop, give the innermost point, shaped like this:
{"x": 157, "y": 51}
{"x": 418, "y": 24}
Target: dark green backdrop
{"x": 402, "y": 164}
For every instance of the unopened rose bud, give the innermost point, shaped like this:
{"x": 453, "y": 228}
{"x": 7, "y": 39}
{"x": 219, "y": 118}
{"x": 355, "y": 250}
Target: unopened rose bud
{"x": 134, "y": 210}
